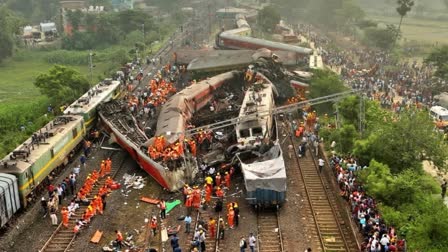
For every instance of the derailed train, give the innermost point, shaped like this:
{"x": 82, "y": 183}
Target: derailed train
{"x": 24, "y": 172}
{"x": 261, "y": 158}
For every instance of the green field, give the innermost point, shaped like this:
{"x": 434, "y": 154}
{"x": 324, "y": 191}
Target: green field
{"x": 420, "y": 30}
{"x": 18, "y": 74}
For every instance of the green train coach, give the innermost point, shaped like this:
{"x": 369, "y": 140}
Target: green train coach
{"x": 87, "y": 104}
{"x": 49, "y": 149}
{"x": 43, "y": 152}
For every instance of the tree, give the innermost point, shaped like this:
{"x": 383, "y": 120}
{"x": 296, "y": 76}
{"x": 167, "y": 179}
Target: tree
{"x": 75, "y": 18}
{"x": 62, "y": 84}
{"x": 382, "y": 38}
{"x": 404, "y": 143}
{"x": 268, "y": 18}
{"x": 348, "y": 14}
{"x": 439, "y": 57}
{"x": 325, "y": 82}
{"x": 404, "y": 6}
{"x": 9, "y": 25}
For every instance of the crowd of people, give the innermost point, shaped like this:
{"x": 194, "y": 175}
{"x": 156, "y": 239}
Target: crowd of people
{"x": 378, "y": 237}
{"x": 84, "y": 196}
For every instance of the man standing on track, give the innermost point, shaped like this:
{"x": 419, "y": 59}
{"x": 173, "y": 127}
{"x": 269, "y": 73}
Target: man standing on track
{"x": 252, "y": 241}
{"x": 321, "y": 164}
{"x": 162, "y": 206}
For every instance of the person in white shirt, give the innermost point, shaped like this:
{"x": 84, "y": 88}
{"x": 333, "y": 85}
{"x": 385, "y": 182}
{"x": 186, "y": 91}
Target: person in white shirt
{"x": 321, "y": 164}
{"x": 252, "y": 241}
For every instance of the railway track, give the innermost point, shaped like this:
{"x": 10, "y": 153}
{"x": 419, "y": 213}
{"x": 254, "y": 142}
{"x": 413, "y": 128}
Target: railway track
{"x": 62, "y": 238}
{"x": 269, "y": 232}
{"x": 332, "y": 232}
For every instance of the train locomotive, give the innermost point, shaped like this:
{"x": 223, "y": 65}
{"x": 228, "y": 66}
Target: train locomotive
{"x": 263, "y": 167}
{"x": 24, "y": 172}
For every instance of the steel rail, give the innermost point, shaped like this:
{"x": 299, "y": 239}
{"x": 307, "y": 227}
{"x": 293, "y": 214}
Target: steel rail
{"x": 58, "y": 229}
{"x": 333, "y": 210}
{"x": 313, "y": 210}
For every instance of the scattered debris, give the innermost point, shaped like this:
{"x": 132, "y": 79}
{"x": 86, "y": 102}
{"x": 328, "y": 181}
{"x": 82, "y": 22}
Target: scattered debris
{"x": 133, "y": 181}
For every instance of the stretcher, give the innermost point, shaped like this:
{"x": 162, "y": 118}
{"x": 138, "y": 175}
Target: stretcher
{"x": 150, "y": 200}
{"x": 96, "y": 237}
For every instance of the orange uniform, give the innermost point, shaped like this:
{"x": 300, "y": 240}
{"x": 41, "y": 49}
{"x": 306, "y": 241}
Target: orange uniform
{"x": 103, "y": 168}
{"x": 208, "y": 194}
{"x": 193, "y": 147}
{"x": 65, "y": 216}
{"x": 212, "y": 228}
{"x": 230, "y": 217}
{"x": 108, "y": 166}
{"x": 227, "y": 179}
{"x": 196, "y": 198}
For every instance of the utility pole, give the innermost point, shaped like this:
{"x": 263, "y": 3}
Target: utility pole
{"x": 91, "y": 66}
{"x": 144, "y": 37}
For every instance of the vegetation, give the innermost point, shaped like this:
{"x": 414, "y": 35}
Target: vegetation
{"x": 393, "y": 147}
{"x": 9, "y": 25}
{"x": 325, "y": 82}
{"x": 439, "y": 58}
{"x": 62, "y": 84}
{"x": 404, "y": 6}
{"x": 381, "y": 38}
{"x": 268, "y": 18}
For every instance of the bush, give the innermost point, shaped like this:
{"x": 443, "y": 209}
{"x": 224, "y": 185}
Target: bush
{"x": 64, "y": 57}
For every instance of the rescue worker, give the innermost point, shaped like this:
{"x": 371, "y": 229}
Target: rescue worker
{"x": 108, "y": 166}
{"x": 227, "y": 179}
{"x": 102, "y": 168}
{"x": 196, "y": 197}
{"x": 153, "y": 225}
{"x": 219, "y": 193}
{"x": 189, "y": 204}
{"x": 208, "y": 194}
{"x": 212, "y": 227}
{"x": 231, "y": 217}
{"x": 193, "y": 147}
{"x": 99, "y": 204}
{"x": 65, "y": 216}
{"x": 109, "y": 182}
{"x": 218, "y": 179}
{"x": 209, "y": 182}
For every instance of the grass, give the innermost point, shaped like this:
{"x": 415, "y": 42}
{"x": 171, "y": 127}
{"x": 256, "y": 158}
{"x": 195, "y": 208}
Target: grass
{"x": 18, "y": 74}
{"x": 417, "y": 29}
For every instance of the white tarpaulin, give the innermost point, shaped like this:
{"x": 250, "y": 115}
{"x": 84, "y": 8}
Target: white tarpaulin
{"x": 267, "y": 174}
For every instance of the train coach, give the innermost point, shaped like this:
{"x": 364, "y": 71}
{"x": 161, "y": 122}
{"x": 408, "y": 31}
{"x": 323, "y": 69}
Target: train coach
{"x": 265, "y": 174}
{"x": 48, "y": 150}
{"x": 87, "y": 104}
{"x": 43, "y": 152}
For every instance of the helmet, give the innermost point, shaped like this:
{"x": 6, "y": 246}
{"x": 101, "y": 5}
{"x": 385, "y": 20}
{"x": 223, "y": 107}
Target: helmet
{"x": 227, "y": 173}
{"x": 217, "y": 173}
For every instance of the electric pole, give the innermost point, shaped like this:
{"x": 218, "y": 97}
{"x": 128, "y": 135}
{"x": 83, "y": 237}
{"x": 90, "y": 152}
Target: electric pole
{"x": 91, "y": 66}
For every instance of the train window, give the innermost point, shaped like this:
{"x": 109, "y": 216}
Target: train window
{"x": 52, "y": 153}
{"x": 245, "y": 133}
{"x": 257, "y": 131}
{"x": 75, "y": 132}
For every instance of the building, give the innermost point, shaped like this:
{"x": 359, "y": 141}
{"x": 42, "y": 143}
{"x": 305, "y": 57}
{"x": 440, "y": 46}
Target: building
{"x": 123, "y": 5}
